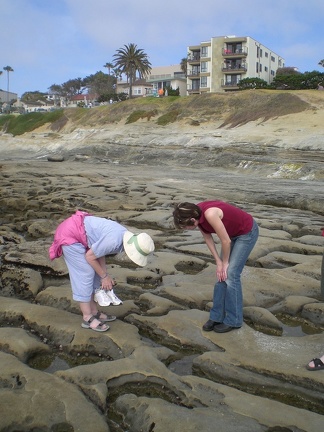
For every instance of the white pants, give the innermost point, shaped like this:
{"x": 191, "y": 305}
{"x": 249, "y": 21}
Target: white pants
{"x": 84, "y": 280}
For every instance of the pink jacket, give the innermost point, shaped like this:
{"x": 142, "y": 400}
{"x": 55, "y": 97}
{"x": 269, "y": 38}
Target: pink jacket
{"x": 69, "y": 231}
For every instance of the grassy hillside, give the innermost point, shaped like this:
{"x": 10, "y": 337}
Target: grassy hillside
{"x": 224, "y": 109}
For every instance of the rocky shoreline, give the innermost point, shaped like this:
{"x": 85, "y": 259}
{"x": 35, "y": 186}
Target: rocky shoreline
{"x": 155, "y": 369}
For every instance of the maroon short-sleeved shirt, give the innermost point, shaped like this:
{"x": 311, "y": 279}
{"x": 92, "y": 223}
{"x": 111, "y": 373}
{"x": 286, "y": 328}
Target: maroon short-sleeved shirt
{"x": 236, "y": 221}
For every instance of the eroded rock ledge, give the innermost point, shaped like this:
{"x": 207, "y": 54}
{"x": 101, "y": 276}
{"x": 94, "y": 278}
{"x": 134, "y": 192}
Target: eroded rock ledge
{"x": 155, "y": 369}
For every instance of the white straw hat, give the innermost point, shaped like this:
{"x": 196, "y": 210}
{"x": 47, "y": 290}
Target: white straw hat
{"x": 138, "y": 247}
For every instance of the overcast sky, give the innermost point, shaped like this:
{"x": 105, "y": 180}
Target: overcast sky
{"x": 51, "y": 41}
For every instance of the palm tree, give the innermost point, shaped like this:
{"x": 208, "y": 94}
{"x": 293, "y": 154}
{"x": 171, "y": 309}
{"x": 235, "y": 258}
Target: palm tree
{"x": 184, "y": 65}
{"x": 108, "y": 66}
{"x": 130, "y": 60}
{"x": 0, "y": 88}
{"x": 8, "y": 69}
{"x": 321, "y": 63}
{"x": 117, "y": 74}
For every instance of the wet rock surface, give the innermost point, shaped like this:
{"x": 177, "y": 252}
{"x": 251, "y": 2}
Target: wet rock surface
{"x": 155, "y": 369}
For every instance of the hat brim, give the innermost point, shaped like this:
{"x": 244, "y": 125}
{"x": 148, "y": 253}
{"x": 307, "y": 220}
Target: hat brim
{"x": 132, "y": 252}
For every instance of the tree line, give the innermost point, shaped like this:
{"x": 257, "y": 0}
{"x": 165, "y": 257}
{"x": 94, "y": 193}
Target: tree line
{"x": 287, "y": 78}
{"x": 133, "y": 62}
{"x": 129, "y": 60}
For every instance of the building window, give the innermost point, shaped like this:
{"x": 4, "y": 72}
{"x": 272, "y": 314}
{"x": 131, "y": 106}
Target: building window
{"x": 266, "y": 54}
{"x": 203, "y": 67}
{"x": 272, "y": 73}
{"x": 203, "y": 82}
{"x": 232, "y": 80}
{"x": 257, "y": 67}
{"x": 260, "y": 52}
{"x": 195, "y": 85}
{"x": 266, "y": 68}
{"x": 204, "y": 51}
{"x": 260, "y": 67}
{"x": 194, "y": 55}
{"x": 195, "y": 70}
{"x": 273, "y": 59}
{"x": 238, "y": 48}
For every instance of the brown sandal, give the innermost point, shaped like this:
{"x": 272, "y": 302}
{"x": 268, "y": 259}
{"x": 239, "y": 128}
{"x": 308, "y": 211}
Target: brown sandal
{"x": 99, "y": 328}
{"x": 103, "y": 320}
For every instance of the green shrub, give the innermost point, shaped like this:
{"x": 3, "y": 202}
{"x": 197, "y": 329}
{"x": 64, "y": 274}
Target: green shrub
{"x": 169, "y": 117}
{"x": 172, "y": 92}
{"x": 18, "y": 125}
{"x": 136, "y": 115}
{"x": 252, "y": 83}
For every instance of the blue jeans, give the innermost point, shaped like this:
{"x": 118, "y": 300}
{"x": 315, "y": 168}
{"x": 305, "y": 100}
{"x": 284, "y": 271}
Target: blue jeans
{"x": 228, "y": 298}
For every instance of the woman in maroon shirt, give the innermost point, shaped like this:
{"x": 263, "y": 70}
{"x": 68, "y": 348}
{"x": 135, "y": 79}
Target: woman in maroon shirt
{"x": 238, "y": 233}
{"x": 318, "y": 363}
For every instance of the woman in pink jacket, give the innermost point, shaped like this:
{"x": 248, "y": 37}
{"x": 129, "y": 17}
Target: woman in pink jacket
{"x": 84, "y": 241}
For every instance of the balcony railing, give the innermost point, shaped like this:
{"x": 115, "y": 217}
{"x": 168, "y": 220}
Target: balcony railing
{"x": 166, "y": 77}
{"x": 232, "y": 52}
{"x": 192, "y": 73}
{"x": 194, "y": 88}
{"x": 234, "y": 68}
{"x": 230, "y": 84}
{"x": 194, "y": 58}
{"x": 160, "y": 77}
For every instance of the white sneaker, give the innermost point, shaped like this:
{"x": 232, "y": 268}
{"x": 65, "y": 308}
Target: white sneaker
{"x": 102, "y": 298}
{"x": 113, "y": 298}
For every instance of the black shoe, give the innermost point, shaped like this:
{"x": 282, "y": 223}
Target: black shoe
{"x": 209, "y": 325}
{"x": 223, "y": 328}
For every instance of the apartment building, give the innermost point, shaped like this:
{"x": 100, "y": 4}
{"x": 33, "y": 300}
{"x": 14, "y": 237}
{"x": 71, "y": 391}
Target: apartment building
{"x": 220, "y": 64}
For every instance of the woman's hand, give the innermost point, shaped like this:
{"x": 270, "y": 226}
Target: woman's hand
{"x": 214, "y": 217}
{"x": 221, "y": 271}
{"x": 107, "y": 283}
